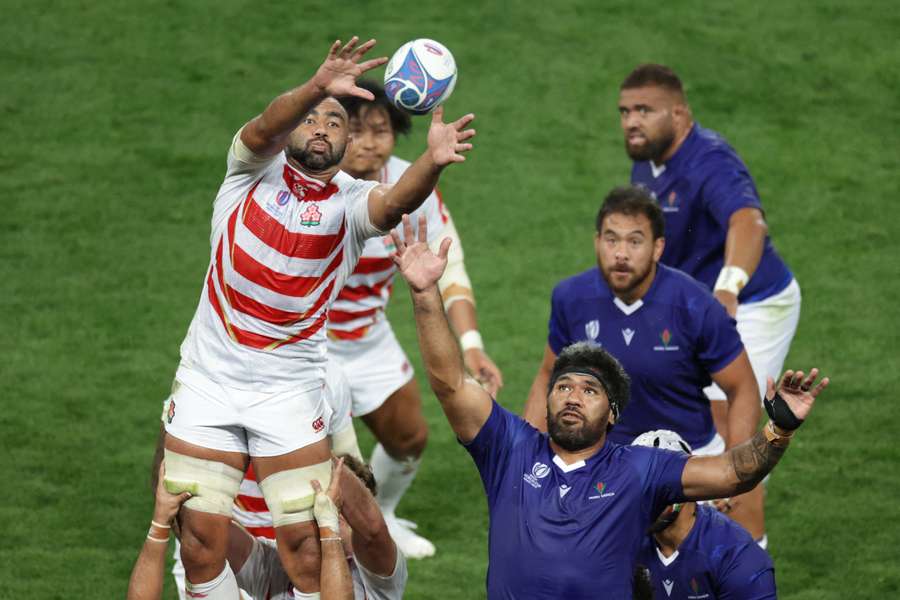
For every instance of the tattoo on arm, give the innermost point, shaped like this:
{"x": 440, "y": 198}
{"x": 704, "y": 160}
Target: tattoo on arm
{"x": 753, "y": 460}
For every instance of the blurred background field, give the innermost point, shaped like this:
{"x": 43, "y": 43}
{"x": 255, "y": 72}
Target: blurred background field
{"x": 115, "y": 118}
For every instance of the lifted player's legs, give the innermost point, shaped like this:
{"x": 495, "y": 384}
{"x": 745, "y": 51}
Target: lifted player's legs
{"x": 285, "y": 482}
{"x": 402, "y": 433}
{"x": 213, "y": 478}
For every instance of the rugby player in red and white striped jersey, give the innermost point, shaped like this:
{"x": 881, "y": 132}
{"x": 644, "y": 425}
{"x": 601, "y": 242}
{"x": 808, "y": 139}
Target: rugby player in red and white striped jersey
{"x": 287, "y": 228}
{"x": 360, "y": 338}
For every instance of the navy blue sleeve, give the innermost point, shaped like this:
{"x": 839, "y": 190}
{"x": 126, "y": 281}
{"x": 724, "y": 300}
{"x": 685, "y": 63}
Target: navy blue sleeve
{"x": 558, "y": 337}
{"x": 728, "y": 186}
{"x": 491, "y": 448}
{"x": 662, "y": 471}
{"x": 719, "y": 343}
{"x": 746, "y": 573}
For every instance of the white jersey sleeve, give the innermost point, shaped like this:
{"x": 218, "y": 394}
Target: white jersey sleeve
{"x": 358, "y": 220}
{"x": 376, "y": 587}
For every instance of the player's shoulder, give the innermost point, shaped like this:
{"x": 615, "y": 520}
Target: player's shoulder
{"x": 722, "y": 537}
{"x": 588, "y": 283}
{"x": 677, "y": 288}
{"x": 710, "y": 148}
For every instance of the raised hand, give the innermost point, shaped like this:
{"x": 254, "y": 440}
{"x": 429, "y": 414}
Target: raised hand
{"x": 337, "y": 75}
{"x": 798, "y": 391}
{"x": 447, "y": 141}
{"x": 420, "y": 267}
{"x": 483, "y": 368}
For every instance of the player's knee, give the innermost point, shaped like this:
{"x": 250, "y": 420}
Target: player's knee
{"x": 289, "y": 494}
{"x": 201, "y": 549}
{"x": 410, "y": 444}
{"x": 212, "y": 485}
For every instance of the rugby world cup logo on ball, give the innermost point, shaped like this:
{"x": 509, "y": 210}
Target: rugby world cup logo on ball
{"x": 420, "y": 76}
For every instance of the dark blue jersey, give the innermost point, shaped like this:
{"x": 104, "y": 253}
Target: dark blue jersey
{"x": 669, "y": 343}
{"x": 699, "y": 189}
{"x": 718, "y": 560}
{"x": 567, "y": 531}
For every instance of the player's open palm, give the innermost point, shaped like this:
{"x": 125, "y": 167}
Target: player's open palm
{"x": 447, "y": 141}
{"x": 798, "y": 390}
{"x": 420, "y": 267}
{"x": 337, "y": 75}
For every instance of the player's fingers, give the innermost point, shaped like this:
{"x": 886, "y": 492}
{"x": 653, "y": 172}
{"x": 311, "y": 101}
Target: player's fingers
{"x": 371, "y": 64}
{"x": 463, "y": 121}
{"x": 348, "y": 47}
{"x": 462, "y": 148}
{"x": 407, "y": 228}
{"x": 332, "y": 52}
{"x": 797, "y": 379}
{"x": 438, "y": 115}
{"x": 770, "y": 387}
{"x": 786, "y": 379}
{"x": 362, "y": 93}
{"x": 398, "y": 243}
{"x": 316, "y": 486}
{"x": 183, "y": 497}
{"x": 423, "y": 229}
{"x": 363, "y": 49}
{"x": 444, "y": 248}
{"x": 818, "y": 389}
{"x": 465, "y": 135}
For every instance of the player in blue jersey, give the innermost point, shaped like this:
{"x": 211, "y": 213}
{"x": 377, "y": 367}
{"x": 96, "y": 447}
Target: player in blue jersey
{"x": 666, "y": 329}
{"x": 694, "y": 551}
{"x": 568, "y": 509}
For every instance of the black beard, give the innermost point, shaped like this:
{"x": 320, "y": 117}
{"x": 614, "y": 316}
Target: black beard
{"x": 652, "y": 150}
{"x": 573, "y": 440}
{"x": 316, "y": 162}
{"x": 638, "y": 280}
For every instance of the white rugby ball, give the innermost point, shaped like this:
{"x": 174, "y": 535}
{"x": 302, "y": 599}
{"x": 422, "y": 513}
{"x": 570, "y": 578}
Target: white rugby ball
{"x": 420, "y": 76}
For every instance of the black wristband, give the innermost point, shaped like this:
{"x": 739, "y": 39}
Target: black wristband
{"x": 781, "y": 414}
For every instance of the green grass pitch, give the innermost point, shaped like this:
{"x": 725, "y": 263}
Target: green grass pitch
{"x": 115, "y": 118}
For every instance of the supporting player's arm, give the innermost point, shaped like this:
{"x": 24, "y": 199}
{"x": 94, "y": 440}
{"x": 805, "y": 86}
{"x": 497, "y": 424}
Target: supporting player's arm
{"x": 334, "y": 578}
{"x": 446, "y": 145}
{"x": 536, "y": 406}
{"x": 739, "y": 385}
{"x": 459, "y": 303}
{"x": 373, "y": 546}
{"x": 267, "y": 134}
{"x": 739, "y": 469}
{"x": 146, "y": 581}
{"x": 744, "y": 245}
{"x": 465, "y": 403}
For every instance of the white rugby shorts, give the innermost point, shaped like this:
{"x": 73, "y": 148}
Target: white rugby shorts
{"x": 212, "y": 415}
{"x": 375, "y": 366}
{"x": 766, "y": 329}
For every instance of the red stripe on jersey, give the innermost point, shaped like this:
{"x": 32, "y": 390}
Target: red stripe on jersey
{"x": 342, "y": 316}
{"x": 444, "y": 215}
{"x": 372, "y": 265}
{"x": 252, "y": 504}
{"x": 288, "y": 285}
{"x": 348, "y": 335}
{"x": 360, "y": 292}
{"x": 266, "y": 532}
{"x": 296, "y": 245}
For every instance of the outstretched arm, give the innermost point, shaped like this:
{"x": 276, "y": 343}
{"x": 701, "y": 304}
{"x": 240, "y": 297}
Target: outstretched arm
{"x": 739, "y": 469}
{"x": 466, "y": 404}
{"x": 267, "y": 134}
{"x": 446, "y": 145}
{"x": 146, "y": 582}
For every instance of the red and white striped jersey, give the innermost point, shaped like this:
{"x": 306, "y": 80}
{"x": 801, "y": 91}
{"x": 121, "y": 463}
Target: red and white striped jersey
{"x": 282, "y": 246}
{"x": 362, "y": 300}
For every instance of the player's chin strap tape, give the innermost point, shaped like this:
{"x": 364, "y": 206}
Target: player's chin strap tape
{"x": 213, "y": 485}
{"x": 290, "y": 495}
{"x": 781, "y": 414}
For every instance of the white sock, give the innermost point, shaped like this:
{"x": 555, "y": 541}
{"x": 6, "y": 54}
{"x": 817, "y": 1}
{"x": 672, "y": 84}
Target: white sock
{"x": 763, "y": 542}
{"x": 393, "y": 478}
{"x": 298, "y": 595}
{"x": 223, "y": 587}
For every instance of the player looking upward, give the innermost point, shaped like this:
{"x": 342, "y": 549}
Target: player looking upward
{"x": 360, "y": 338}
{"x": 568, "y": 510}
{"x": 715, "y": 227}
{"x": 664, "y": 327}
{"x": 695, "y": 551}
{"x": 287, "y": 228}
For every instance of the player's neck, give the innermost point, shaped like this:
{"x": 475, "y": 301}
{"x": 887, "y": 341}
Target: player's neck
{"x": 325, "y": 176}
{"x": 671, "y": 537}
{"x": 639, "y": 291}
{"x": 675, "y": 145}
{"x": 570, "y": 457}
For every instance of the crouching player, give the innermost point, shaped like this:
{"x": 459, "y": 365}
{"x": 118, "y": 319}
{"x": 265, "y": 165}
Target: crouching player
{"x": 694, "y": 551}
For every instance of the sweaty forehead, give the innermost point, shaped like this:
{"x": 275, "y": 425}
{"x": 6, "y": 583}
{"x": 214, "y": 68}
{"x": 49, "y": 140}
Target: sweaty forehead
{"x": 650, "y": 95}
{"x": 330, "y": 105}
{"x": 623, "y": 224}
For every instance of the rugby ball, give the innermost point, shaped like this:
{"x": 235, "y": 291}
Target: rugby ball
{"x": 420, "y": 76}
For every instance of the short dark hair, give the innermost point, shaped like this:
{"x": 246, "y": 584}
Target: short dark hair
{"x": 633, "y": 200}
{"x": 653, "y": 74}
{"x": 362, "y": 470}
{"x": 588, "y": 357}
{"x": 400, "y": 121}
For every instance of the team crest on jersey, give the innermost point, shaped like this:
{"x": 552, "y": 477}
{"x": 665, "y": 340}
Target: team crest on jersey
{"x": 538, "y": 472}
{"x": 668, "y": 584}
{"x": 171, "y": 412}
{"x": 627, "y": 334}
{"x": 282, "y": 198}
{"x": 671, "y": 203}
{"x": 666, "y": 338}
{"x": 318, "y": 425}
{"x": 695, "y": 587}
{"x": 592, "y": 329}
{"x": 311, "y": 217}
{"x": 600, "y": 489}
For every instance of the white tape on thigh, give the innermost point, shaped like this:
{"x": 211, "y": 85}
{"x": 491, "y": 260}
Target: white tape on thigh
{"x": 213, "y": 485}
{"x": 345, "y": 442}
{"x": 289, "y": 494}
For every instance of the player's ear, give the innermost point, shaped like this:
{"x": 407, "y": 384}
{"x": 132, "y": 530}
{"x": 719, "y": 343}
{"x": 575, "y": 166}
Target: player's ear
{"x": 659, "y": 244}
